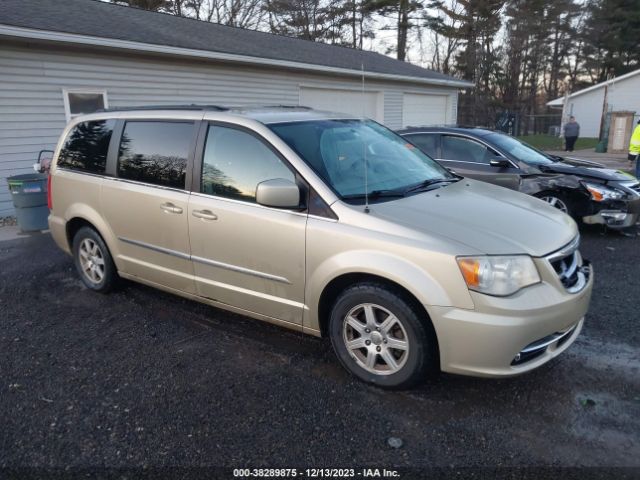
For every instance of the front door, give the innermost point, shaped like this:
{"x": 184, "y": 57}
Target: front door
{"x": 245, "y": 255}
{"x": 470, "y": 158}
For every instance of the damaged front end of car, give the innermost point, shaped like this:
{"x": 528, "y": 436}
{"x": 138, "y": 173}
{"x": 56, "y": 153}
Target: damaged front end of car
{"x": 615, "y": 204}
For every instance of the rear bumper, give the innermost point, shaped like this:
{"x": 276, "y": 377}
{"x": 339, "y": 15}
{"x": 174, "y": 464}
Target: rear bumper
{"x": 491, "y": 340}
{"x": 58, "y": 227}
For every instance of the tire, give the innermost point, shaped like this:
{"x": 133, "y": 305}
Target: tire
{"x": 93, "y": 261}
{"x": 416, "y": 355}
{"x": 557, "y": 200}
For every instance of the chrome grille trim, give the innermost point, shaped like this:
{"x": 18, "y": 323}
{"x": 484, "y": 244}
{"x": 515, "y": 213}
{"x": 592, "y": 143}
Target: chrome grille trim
{"x": 567, "y": 272}
{"x": 565, "y": 251}
{"x": 567, "y": 262}
{"x": 545, "y": 342}
{"x": 541, "y": 346}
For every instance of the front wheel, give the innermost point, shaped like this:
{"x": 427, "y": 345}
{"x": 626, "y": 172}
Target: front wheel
{"x": 381, "y": 337}
{"x": 558, "y": 201}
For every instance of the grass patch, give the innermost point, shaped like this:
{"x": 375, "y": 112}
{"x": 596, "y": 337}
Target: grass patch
{"x": 549, "y": 142}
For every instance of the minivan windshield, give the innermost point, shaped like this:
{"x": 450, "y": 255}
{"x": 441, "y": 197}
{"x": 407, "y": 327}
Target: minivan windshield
{"x": 520, "y": 150}
{"x": 339, "y": 150}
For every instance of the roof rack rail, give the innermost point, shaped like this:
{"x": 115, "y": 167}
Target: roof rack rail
{"x": 302, "y": 107}
{"x": 192, "y": 106}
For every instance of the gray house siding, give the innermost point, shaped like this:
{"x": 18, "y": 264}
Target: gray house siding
{"x": 33, "y": 77}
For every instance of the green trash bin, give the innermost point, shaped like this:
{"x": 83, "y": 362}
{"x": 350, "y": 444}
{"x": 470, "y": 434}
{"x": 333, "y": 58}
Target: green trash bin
{"x": 29, "y": 194}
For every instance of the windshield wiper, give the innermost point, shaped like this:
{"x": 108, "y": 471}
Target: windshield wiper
{"x": 424, "y": 186}
{"x": 375, "y": 194}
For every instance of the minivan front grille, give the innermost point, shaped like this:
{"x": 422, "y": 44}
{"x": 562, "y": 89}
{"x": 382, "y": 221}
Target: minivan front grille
{"x": 572, "y": 271}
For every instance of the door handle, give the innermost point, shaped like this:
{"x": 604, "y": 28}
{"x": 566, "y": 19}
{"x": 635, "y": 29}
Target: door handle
{"x": 170, "y": 208}
{"x": 204, "y": 214}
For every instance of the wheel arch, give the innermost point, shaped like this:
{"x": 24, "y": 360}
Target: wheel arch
{"x": 337, "y": 285}
{"x": 438, "y": 288}
{"x": 79, "y": 216}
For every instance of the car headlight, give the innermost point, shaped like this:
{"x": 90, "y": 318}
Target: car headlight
{"x": 600, "y": 193}
{"x": 499, "y": 276}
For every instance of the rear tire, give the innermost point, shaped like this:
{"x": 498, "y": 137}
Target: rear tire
{"x": 380, "y": 336}
{"x": 93, "y": 261}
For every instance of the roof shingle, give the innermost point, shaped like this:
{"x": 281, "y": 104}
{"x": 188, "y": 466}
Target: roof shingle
{"x": 99, "y": 19}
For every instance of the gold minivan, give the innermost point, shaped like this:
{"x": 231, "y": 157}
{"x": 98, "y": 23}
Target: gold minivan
{"x": 323, "y": 223}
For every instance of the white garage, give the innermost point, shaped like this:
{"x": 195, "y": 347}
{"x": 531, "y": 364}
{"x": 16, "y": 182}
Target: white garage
{"x": 419, "y": 110}
{"x": 618, "y": 94}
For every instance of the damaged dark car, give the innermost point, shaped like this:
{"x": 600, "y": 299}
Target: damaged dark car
{"x": 585, "y": 190}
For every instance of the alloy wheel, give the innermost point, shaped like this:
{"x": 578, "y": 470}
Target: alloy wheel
{"x": 376, "y": 339}
{"x": 557, "y": 203}
{"x": 91, "y": 260}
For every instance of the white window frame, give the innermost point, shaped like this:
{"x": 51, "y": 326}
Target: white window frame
{"x": 65, "y": 97}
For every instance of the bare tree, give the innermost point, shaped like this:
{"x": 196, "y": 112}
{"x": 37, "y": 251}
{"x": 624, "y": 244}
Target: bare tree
{"x": 444, "y": 47}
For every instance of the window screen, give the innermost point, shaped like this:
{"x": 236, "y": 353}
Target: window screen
{"x": 155, "y": 152}
{"x": 236, "y": 161}
{"x": 81, "y": 103}
{"x": 86, "y": 147}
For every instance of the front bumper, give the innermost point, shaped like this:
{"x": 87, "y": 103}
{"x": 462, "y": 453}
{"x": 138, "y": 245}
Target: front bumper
{"x": 614, "y": 214}
{"x": 615, "y": 219}
{"x": 487, "y": 340}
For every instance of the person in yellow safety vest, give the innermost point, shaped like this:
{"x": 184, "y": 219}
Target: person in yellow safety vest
{"x": 634, "y": 149}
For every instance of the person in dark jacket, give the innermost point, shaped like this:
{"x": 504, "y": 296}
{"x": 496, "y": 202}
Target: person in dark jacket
{"x": 571, "y": 134}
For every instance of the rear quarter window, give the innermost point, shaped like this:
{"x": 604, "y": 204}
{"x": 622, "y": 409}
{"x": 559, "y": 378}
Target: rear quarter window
{"x": 86, "y": 147}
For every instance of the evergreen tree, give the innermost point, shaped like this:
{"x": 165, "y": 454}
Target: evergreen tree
{"x": 612, "y": 37}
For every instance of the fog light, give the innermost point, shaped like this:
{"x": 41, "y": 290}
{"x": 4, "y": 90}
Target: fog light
{"x": 517, "y": 358}
{"x": 614, "y": 217}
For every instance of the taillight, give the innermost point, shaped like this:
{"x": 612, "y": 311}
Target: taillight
{"x": 49, "y": 201}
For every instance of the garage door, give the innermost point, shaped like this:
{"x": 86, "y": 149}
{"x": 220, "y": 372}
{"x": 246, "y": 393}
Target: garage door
{"x": 420, "y": 110}
{"x": 352, "y": 102}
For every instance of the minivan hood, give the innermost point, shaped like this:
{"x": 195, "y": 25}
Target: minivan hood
{"x": 487, "y": 218}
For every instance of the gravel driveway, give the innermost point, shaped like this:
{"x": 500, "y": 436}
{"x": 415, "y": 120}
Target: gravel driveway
{"x": 143, "y": 378}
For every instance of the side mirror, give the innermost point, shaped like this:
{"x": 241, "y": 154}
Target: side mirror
{"x": 499, "y": 162}
{"x": 278, "y": 193}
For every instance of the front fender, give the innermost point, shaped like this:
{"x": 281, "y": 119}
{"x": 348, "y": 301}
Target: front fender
{"x": 418, "y": 281}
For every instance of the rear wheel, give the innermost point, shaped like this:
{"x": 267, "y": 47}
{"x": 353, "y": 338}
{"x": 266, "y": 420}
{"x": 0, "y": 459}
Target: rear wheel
{"x": 380, "y": 337}
{"x": 93, "y": 260}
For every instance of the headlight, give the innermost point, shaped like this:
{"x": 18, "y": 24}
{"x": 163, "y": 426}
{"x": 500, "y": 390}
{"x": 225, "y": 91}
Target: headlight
{"x": 500, "y": 276}
{"x": 600, "y": 193}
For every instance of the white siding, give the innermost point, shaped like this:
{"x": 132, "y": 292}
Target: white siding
{"x": 587, "y": 108}
{"x": 32, "y": 79}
